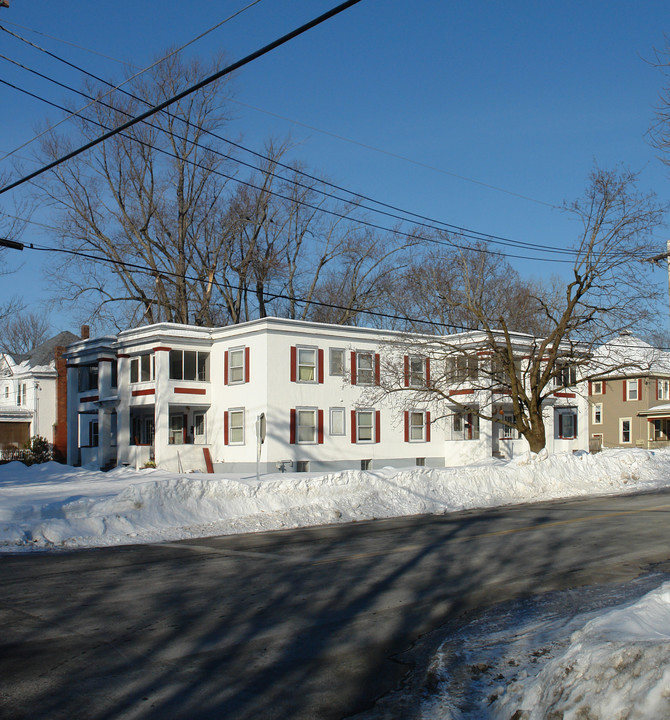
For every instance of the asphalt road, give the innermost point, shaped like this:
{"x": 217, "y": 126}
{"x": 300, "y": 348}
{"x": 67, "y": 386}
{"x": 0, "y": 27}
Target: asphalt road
{"x": 313, "y": 623}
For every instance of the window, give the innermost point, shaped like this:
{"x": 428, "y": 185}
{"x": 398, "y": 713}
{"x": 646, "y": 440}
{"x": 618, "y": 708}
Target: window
{"x": 598, "y": 387}
{"x": 307, "y": 364}
{"x": 142, "y": 368}
{"x": 189, "y": 365}
{"x": 508, "y": 432}
{"x": 142, "y": 430}
{"x": 177, "y": 430}
{"x": 236, "y": 427}
{"x": 366, "y": 464}
{"x": 624, "y": 430}
{"x": 566, "y": 375}
{"x": 663, "y": 389}
{"x": 337, "y": 421}
{"x": 566, "y": 423}
{"x": 336, "y": 362}
{"x": 365, "y": 368}
{"x": 365, "y": 426}
{"x": 461, "y": 368}
{"x": 6, "y": 392}
{"x": 597, "y": 413}
{"x": 21, "y": 395}
{"x": 114, "y": 382}
{"x": 465, "y": 426}
{"x": 421, "y": 462}
{"x": 236, "y": 364}
{"x": 417, "y": 371}
{"x": 199, "y": 429}
{"x": 93, "y": 435}
{"x": 302, "y": 466}
{"x": 306, "y": 425}
{"x": 87, "y": 378}
{"x": 631, "y": 389}
{"x": 417, "y": 426}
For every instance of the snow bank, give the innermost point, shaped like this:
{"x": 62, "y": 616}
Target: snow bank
{"x": 617, "y": 666}
{"x": 51, "y": 505}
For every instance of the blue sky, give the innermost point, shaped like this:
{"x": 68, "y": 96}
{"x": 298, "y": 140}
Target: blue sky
{"x": 481, "y": 114}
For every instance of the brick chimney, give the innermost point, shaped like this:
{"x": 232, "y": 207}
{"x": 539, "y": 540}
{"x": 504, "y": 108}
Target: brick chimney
{"x": 85, "y": 332}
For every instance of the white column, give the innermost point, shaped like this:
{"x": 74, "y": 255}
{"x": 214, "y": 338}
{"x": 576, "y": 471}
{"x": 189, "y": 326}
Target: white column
{"x": 162, "y": 407}
{"x": 123, "y": 450}
{"x": 72, "y": 416}
{"x": 104, "y": 417}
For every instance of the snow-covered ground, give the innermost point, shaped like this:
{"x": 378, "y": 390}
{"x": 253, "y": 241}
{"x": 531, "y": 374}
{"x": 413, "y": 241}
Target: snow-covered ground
{"x": 613, "y": 665}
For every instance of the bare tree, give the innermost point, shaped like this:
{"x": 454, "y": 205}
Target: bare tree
{"x": 22, "y": 332}
{"x": 604, "y": 295}
{"x": 143, "y": 208}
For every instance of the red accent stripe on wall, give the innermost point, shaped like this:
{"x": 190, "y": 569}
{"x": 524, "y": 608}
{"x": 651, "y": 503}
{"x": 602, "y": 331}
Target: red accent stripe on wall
{"x": 90, "y": 398}
{"x": 190, "y": 391}
{"x": 122, "y": 355}
{"x": 162, "y": 349}
{"x": 565, "y": 395}
{"x": 462, "y": 392}
{"x": 137, "y": 393}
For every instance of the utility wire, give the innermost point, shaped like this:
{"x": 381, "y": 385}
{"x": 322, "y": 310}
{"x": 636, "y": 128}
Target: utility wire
{"x": 140, "y": 72}
{"x": 454, "y": 229}
{"x": 188, "y": 91}
{"x": 280, "y": 296}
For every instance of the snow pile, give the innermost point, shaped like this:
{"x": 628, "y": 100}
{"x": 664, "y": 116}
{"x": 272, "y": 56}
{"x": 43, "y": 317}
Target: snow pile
{"x": 52, "y": 505}
{"x": 617, "y": 666}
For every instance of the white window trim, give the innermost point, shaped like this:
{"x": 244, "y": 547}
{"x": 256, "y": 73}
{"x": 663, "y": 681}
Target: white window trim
{"x": 372, "y": 440}
{"x": 595, "y": 408}
{"x": 597, "y": 383}
{"x": 231, "y": 367}
{"x": 315, "y": 412}
{"x": 230, "y": 426}
{"x": 315, "y": 350}
{"x": 423, "y": 426}
{"x": 366, "y": 383}
{"x": 339, "y": 411}
{"x": 632, "y": 383}
{"x": 330, "y": 361}
{"x": 663, "y": 389}
{"x": 630, "y": 431}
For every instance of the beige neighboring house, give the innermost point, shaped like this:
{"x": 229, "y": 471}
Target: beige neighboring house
{"x": 629, "y": 403}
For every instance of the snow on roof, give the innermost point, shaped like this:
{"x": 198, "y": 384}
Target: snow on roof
{"x": 628, "y": 355}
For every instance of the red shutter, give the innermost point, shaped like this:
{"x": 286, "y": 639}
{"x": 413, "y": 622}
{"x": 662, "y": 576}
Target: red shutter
{"x": 292, "y": 427}
{"x": 428, "y": 426}
{"x": 225, "y": 368}
{"x": 378, "y": 426}
{"x": 639, "y": 388}
{"x": 294, "y": 362}
{"x": 406, "y": 371}
{"x": 246, "y": 364}
{"x": 406, "y": 426}
{"x": 225, "y": 426}
{"x": 624, "y": 390}
{"x": 353, "y": 425}
{"x": 590, "y": 388}
{"x": 560, "y": 426}
{"x": 377, "y": 371}
{"x": 320, "y": 369}
{"x": 353, "y": 368}
{"x": 604, "y": 387}
{"x": 427, "y": 372}
{"x": 320, "y": 424}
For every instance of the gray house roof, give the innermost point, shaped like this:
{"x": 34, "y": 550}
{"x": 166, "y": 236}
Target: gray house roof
{"x": 44, "y": 354}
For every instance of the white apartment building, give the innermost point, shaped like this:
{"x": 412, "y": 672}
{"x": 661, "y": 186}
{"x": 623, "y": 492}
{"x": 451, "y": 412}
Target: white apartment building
{"x": 193, "y": 399}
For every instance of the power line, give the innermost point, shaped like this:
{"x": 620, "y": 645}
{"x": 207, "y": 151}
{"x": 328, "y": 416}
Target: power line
{"x": 328, "y": 133}
{"x": 454, "y": 229}
{"x": 193, "y": 88}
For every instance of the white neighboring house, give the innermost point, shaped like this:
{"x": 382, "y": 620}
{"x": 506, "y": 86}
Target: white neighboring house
{"x": 29, "y": 390}
{"x": 189, "y": 398}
